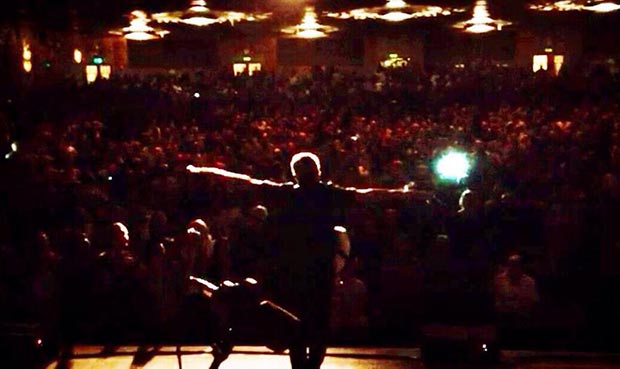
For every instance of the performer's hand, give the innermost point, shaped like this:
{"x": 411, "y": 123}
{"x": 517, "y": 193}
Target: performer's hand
{"x": 194, "y": 169}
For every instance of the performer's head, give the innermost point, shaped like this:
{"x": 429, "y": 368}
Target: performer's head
{"x": 306, "y": 168}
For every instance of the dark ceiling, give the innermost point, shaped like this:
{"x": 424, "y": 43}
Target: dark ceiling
{"x": 96, "y": 15}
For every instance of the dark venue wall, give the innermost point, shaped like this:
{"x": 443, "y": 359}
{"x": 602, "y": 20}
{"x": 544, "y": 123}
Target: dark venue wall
{"x": 338, "y": 51}
{"x": 173, "y": 53}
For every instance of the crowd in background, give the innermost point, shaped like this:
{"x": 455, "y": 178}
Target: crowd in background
{"x": 101, "y": 224}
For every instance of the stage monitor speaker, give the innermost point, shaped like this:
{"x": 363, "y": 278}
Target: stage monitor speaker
{"x": 23, "y": 345}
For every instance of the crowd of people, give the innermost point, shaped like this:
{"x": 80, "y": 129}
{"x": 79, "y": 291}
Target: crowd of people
{"x": 101, "y": 221}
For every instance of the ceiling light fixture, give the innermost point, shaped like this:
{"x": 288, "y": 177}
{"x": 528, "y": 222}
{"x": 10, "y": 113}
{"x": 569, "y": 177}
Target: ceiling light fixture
{"x": 199, "y": 15}
{"x": 139, "y": 30}
{"x": 481, "y": 21}
{"x": 309, "y": 27}
{"x": 604, "y": 7}
{"x": 393, "y": 11}
{"x": 570, "y": 5}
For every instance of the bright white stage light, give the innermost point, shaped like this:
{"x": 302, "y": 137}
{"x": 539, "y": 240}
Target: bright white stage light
{"x": 453, "y": 166}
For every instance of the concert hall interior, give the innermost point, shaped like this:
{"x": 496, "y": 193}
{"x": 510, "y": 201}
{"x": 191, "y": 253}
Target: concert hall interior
{"x": 309, "y": 184}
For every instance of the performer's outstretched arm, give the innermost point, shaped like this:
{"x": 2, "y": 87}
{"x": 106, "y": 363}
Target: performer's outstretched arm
{"x": 233, "y": 175}
{"x": 377, "y": 193}
{"x": 405, "y": 189}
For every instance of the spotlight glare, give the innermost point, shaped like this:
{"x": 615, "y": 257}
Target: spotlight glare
{"x": 453, "y": 166}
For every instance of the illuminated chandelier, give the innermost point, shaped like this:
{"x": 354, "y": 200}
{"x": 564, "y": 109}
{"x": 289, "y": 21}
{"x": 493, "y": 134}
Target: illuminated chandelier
{"x": 200, "y": 16}
{"x": 569, "y": 5}
{"x": 197, "y": 15}
{"x": 235, "y": 16}
{"x": 139, "y": 29}
{"x": 309, "y": 27}
{"x": 481, "y": 21}
{"x": 393, "y": 11}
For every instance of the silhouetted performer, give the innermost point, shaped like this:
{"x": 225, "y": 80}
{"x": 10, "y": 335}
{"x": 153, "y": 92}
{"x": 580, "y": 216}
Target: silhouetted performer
{"x": 305, "y": 248}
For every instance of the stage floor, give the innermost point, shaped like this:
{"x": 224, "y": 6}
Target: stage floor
{"x": 198, "y": 357}
{"x": 245, "y": 357}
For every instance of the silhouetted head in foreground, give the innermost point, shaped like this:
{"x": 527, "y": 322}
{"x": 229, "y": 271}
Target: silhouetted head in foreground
{"x": 306, "y": 168}
{"x": 515, "y": 266}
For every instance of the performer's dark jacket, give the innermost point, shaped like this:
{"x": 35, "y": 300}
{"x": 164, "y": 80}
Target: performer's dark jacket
{"x": 303, "y": 250}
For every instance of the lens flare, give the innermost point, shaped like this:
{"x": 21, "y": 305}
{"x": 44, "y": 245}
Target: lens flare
{"x": 453, "y": 166}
